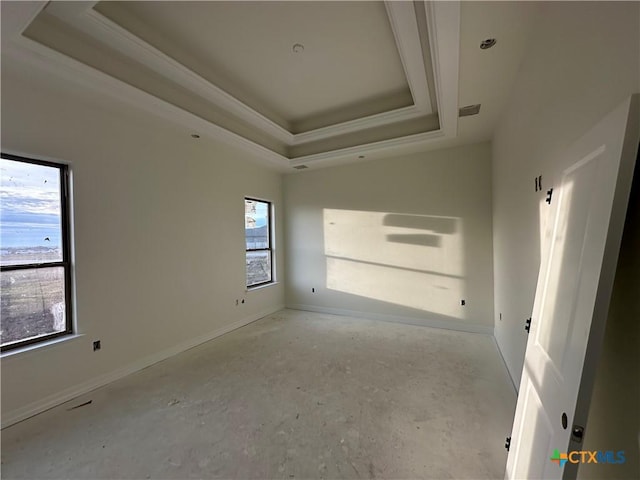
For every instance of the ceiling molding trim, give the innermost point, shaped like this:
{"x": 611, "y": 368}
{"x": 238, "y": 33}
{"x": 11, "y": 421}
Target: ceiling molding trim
{"x": 21, "y": 14}
{"x": 443, "y": 20}
{"x": 375, "y": 147}
{"x": 100, "y": 27}
{"x": 67, "y": 10}
{"x": 402, "y": 17}
{"x": 405, "y": 29}
{"x": 392, "y": 116}
{"x": 25, "y": 49}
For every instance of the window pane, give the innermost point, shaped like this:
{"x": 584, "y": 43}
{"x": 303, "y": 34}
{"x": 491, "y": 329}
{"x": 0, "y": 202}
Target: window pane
{"x": 30, "y": 218}
{"x": 256, "y": 224}
{"x": 258, "y": 267}
{"x": 33, "y": 303}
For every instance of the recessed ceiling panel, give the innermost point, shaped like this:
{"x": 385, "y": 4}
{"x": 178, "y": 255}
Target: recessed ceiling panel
{"x": 312, "y": 81}
{"x": 348, "y": 66}
{"x": 50, "y": 31}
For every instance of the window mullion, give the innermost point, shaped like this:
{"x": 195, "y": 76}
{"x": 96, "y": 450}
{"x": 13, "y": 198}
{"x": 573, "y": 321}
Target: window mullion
{"x": 30, "y": 266}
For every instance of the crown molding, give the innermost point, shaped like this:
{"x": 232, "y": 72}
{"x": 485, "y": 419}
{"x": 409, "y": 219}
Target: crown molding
{"x": 375, "y": 147}
{"x": 21, "y": 14}
{"x": 400, "y": 114}
{"x": 71, "y": 70}
{"x": 66, "y": 10}
{"x": 100, "y": 27}
{"x": 402, "y": 17}
{"x": 443, "y": 20}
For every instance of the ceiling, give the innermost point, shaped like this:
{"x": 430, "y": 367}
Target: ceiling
{"x": 246, "y": 48}
{"x": 292, "y": 83}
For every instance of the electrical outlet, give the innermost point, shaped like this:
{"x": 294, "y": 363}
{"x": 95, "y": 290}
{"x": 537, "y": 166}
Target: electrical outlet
{"x": 500, "y": 316}
{"x": 463, "y": 302}
{"x": 243, "y": 300}
{"x": 313, "y": 290}
{"x": 237, "y": 302}
{"x": 96, "y": 345}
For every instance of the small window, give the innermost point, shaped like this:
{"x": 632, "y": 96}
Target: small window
{"x": 258, "y": 222}
{"x": 35, "y": 277}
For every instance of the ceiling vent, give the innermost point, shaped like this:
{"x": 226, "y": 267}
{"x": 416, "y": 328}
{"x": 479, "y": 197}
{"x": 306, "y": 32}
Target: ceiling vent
{"x": 300, "y": 167}
{"x": 469, "y": 110}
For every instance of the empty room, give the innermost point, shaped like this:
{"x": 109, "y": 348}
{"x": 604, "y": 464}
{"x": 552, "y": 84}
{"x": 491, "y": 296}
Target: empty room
{"x": 314, "y": 239}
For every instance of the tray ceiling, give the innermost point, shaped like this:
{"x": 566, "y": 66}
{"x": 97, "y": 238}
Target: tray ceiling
{"x": 349, "y": 59}
{"x": 370, "y": 76}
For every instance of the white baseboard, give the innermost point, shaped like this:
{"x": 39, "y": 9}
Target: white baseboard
{"x": 504, "y": 362}
{"x": 58, "y": 398}
{"x": 457, "y": 325}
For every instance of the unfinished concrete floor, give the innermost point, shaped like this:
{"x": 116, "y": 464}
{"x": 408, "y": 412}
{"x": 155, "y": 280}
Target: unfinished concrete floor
{"x": 294, "y": 395}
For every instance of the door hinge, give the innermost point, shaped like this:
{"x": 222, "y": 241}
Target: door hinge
{"x": 549, "y": 195}
{"x": 507, "y": 443}
{"x": 527, "y": 325}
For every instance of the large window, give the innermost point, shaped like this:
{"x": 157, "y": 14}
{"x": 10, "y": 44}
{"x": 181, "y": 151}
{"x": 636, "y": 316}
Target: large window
{"x": 258, "y": 224}
{"x": 35, "y": 279}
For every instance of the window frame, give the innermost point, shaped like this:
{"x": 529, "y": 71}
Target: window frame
{"x": 268, "y": 249}
{"x": 65, "y": 263}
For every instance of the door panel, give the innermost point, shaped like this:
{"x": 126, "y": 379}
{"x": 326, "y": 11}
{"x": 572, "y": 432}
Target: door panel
{"x": 569, "y": 283}
{"x": 537, "y": 436}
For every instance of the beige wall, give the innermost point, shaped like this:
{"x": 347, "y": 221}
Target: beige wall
{"x": 159, "y": 237}
{"x": 399, "y": 239}
{"x": 582, "y": 62}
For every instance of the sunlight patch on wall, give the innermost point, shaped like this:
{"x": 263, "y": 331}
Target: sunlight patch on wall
{"x": 409, "y": 288}
{"x": 410, "y": 260}
{"x": 562, "y": 274}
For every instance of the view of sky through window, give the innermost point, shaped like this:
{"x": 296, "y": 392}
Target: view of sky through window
{"x": 31, "y": 210}
{"x": 256, "y": 224}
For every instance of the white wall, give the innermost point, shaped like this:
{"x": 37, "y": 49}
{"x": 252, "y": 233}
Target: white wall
{"x": 400, "y": 239}
{"x": 159, "y": 237}
{"x": 582, "y": 62}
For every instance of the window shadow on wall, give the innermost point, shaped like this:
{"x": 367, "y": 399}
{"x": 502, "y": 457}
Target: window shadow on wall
{"x": 413, "y": 261}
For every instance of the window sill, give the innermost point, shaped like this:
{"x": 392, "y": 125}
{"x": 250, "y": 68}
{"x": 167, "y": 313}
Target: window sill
{"x": 258, "y": 287}
{"x": 39, "y": 347}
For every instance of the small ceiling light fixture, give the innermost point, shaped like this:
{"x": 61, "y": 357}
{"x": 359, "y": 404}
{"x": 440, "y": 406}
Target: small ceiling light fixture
{"x": 298, "y": 48}
{"x": 195, "y": 135}
{"x": 360, "y": 156}
{"x": 488, "y": 43}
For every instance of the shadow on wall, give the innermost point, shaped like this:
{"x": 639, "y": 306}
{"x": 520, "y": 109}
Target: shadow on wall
{"x": 414, "y": 261}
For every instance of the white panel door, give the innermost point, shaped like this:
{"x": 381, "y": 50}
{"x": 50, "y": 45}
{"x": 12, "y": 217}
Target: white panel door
{"x": 579, "y": 232}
